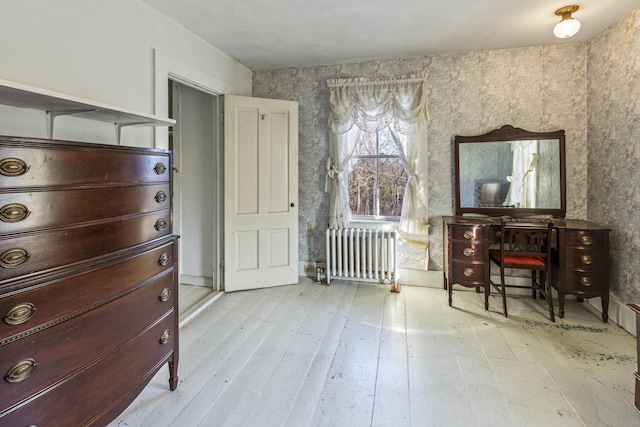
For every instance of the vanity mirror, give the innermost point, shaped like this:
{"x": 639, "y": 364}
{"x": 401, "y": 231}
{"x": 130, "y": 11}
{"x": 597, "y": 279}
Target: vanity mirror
{"x": 511, "y": 171}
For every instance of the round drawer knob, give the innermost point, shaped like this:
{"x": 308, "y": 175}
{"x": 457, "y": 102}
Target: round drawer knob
{"x": 19, "y": 314}
{"x": 586, "y": 240}
{"x": 468, "y": 252}
{"x": 159, "y": 168}
{"x": 161, "y": 196}
{"x": 12, "y": 258}
{"x": 166, "y": 336}
{"x": 164, "y": 259}
{"x": 586, "y": 259}
{"x": 586, "y": 281}
{"x": 20, "y": 371}
{"x": 161, "y": 224}
{"x": 13, "y": 167}
{"x": 468, "y": 235}
{"x": 14, "y": 212}
{"x": 165, "y": 295}
{"x": 468, "y": 272}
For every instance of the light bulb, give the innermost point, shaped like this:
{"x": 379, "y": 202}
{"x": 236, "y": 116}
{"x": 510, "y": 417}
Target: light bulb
{"x": 566, "y": 28}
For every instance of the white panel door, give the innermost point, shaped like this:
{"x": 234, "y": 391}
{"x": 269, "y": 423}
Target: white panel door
{"x": 261, "y": 192}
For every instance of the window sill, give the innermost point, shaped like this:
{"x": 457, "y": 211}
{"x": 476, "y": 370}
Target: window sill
{"x": 385, "y": 224}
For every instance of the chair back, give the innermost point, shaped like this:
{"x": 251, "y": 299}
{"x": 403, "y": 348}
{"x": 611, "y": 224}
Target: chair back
{"x": 526, "y": 246}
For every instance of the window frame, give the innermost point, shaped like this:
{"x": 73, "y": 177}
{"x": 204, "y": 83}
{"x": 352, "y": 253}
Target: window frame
{"x": 376, "y": 218}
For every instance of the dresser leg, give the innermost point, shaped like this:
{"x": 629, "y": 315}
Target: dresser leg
{"x": 173, "y": 375}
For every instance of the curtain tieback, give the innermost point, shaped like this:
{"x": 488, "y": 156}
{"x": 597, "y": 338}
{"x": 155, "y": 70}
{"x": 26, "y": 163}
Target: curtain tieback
{"x": 332, "y": 173}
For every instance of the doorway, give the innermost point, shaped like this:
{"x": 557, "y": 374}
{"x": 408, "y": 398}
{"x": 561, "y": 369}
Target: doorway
{"x": 197, "y": 185}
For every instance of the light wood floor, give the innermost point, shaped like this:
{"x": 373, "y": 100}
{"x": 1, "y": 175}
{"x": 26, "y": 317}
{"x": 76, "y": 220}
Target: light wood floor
{"x": 355, "y": 354}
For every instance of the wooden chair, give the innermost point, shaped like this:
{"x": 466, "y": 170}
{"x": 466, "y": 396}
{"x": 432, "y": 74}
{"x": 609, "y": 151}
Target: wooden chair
{"x": 525, "y": 247}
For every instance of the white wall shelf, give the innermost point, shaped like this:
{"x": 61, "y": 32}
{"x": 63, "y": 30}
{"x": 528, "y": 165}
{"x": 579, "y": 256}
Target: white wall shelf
{"x": 57, "y": 104}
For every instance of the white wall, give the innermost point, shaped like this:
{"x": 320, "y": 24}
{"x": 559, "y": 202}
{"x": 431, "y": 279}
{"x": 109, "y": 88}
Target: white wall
{"x": 104, "y": 51}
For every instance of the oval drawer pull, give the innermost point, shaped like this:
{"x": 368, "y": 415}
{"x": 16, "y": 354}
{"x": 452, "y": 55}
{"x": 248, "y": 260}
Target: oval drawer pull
{"x": 166, "y": 336}
{"x": 20, "y": 371}
{"x": 19, "y": 314}
{"x": 165, "y": 295}
{"x": 468, "y": 252}
{"x": 14, "y": 212}
{"x": 586, "y": 259}
{"x": 164, "y": 259}
{"x": 12, "y": 258}
{"x": 586, "y": 281}
{"x": 161, "y": 224}
{"x": 161, "y": 196}
{"x": 468, "y": 234}
{"x": 467, "y": 272}
{"x": 586, "y": 240}
{"x": 159, "y": 168}
{"x": 13, "y": 167}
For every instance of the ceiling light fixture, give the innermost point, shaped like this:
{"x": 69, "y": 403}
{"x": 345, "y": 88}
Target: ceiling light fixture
{"x": 567, "y": 26}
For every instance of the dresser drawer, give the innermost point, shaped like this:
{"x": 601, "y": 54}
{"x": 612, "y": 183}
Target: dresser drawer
{"x": 71, "y": 345}
{"x": 585, "y": 239}
{"x": 41, "y": 251}
{"x": 43, "y": 209}
{"x": 467, "y": 274}
{"x": 588, "y": 259}
{"x": 28, "y": 310}
{"x": 467, "y": 250}
{"x": 77, "y": 398}
{"x": 584, "y": 282}
{"x": 46, "y": 164}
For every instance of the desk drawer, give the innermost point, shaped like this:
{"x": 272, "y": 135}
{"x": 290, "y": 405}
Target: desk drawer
{"x": 585, "y": 239}
{"x": 467, "y": 251}
{"x": 467, "y": 273}
{"x": 101, "y": 385}
{"x": 587, "y": 259}
{"x": 584, "y": 282}
{"x": 60, "y": 350}
{"x": 40, "y": 305}
{"x": 466, "y": 232}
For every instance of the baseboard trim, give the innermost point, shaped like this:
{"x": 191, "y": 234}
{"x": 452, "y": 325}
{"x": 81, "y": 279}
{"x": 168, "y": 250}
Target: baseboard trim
{"x": 196, "y": 280}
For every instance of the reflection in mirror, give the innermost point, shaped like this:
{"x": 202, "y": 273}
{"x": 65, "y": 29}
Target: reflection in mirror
{"x": 510, "y": 171}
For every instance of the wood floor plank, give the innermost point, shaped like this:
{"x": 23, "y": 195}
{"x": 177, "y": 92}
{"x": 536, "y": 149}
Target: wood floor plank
{"x": 354, "y": 354}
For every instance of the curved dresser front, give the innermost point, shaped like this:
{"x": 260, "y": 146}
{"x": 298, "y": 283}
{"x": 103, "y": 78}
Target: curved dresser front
{"x": 88, "y": 279}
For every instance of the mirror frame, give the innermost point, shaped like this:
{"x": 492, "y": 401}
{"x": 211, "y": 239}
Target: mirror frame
{"x": 509, "y": 133}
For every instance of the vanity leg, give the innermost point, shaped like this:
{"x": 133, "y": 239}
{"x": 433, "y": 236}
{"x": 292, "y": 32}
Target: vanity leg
{"x": 561, "y": 304}
{"x": 605, "y": 307}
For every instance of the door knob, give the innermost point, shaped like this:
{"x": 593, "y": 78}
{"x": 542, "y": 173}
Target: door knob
{"x": 293, "y": 204}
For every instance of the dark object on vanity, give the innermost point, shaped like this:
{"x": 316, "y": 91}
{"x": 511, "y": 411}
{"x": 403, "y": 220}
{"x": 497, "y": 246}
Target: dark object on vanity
{"x": 88, "y": 279}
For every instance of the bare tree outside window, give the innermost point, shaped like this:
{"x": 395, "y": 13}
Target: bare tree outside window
{"x": 377, "y": 180}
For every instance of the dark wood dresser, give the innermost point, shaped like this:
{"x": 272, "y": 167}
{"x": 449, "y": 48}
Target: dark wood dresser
{"x": 88, "y": 279}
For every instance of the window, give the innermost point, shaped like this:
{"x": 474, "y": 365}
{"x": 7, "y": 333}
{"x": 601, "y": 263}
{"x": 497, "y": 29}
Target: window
{"x": 377, "y": 178}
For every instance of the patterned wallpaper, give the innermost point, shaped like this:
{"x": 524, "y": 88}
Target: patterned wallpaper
{"x": 537, "y": 88}
{"x": 614, "y": 149}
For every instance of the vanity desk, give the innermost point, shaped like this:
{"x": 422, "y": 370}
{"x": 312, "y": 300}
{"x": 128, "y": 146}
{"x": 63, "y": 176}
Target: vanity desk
{"x": 515, "y": 173}
{"x": 580, "y": 248}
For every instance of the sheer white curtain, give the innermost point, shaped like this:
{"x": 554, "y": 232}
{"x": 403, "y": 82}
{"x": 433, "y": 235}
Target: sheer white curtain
{"x": 523, "y": 179}
{"x": 360, "y": 105}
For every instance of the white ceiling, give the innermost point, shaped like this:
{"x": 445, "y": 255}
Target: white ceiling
{"x": 269, "y": 34}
